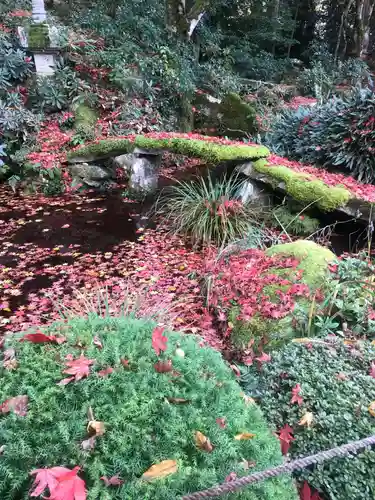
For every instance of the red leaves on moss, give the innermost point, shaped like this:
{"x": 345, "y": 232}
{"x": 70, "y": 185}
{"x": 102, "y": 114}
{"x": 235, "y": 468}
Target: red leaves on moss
{"x": 285, "y": 437}
{"x": 17, "y": 404}
{"x": 159, "y": 341}
{"x": 221, "y": 422}
{"x": 62, "y": 483}
{"x": 296, "y": 397}
{"x": 78, "y": 368}
{"x": 105, "y": 372}
{"x": 263, "y": 358}
{"x": 163, "y": 366}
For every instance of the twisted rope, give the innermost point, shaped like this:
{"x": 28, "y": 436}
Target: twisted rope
{"x": 300, "y": 463}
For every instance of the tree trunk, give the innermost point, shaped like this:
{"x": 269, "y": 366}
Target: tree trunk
{"x": 344, "y": 15}
{"x": 38, "y": 11}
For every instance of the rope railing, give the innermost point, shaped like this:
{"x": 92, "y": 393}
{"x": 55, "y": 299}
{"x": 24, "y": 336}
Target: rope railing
{"x": 300, "y": 463}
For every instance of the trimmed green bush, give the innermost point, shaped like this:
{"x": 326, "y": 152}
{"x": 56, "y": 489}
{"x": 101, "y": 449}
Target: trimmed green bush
{"x": 337, "y": 386}
{"x": 144, "y": 425}
{"x": 304, "y": 188}
{"x": 207, "y": 150}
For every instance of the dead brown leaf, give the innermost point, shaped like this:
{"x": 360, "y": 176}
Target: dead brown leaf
{"x": 95, "y": 427}
{"x": 11, "y": 364}
{"x": 203, "y": 442}
{"x": 307, "y": 419}
{"x": 89, "y": 444}
{"x": 178, "y": 401}
{"x": 244, "y": 436}
{"x": 163, "y": 366}
{"x": 18, "y": 405}
{"x": 162, "y": 469}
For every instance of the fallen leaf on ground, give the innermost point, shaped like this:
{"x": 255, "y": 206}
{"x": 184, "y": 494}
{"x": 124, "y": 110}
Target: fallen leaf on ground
{"x": 371, "y": 409}
{"x": 372, "y": 369}
{"x": 17, "y": 404}
{"x": 162, "y": 469}
{"x": 105, "y": 372}
{"x": 307, "y": 494}
{"x": 203, "y": 442}
{"x": 163, "y": 366}
{"x": 230, "y": 477}
{"x": 62, "y": 483}
{"x": 41, "y": 338}
{"x": 221, "y": 422}
{"x": 159, "y": 341}
{"x": 97, "y": 342}
{"x": 96, "y": 427}
{"x": 236, "y": 370}
{"x": 307, "y": 419}
{"x": 296, "y": 397}
{"x": 178, "y": 401}
{"x": 112, "y": 481}
{"x": 89, "y": 444}
{"x": 285, "y": 437}
{"x": 78, "y": 368}
{"x": 244, "y": 436}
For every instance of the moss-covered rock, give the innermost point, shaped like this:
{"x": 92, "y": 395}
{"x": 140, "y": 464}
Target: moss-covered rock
{"x": 281, "y": 280}
{"x": 195, "y": 148}
{"x": 237, "y": 117}
{"x": 304, "y": 187}
{"x": 85, "y": 119}
{"x": 38, "y": 36}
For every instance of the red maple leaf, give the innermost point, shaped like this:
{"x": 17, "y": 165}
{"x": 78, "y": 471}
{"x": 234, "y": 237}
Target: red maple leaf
{"x": 105, "y": 371}
{"x": 63, "y": 483}
{"x": 221, "y": 422}
{"x": 263, "y": 358}
{"x": 163, "y": 366}
{"x": 78, "y": 368}
{"x": 307, "y": 494}
{"x": 296, "y": 398}
{"x": 285, "y": 437}
{"x": 17, "y": 404}
{"x": 41, "y": 338}
{"x": 112, "y": 481}
{"x": 372, "y": 369}
{"x": 159, "y": 341}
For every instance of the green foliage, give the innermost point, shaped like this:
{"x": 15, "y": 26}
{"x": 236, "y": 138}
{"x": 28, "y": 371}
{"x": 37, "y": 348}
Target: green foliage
{"x": 16, "y": 122}
{"x": 303, "y": 188}
{"x": 15, "y": 66}
{"x": 337, "y": 389}
{"x": 298, "y": 224}
{"x": 85, "y": 121}
{"x": 261, "y": 66}
{"x": 142, "y": 427}
{"x": 208, "y": 211}
{"x": 237, "y": 117}
{"x": 195, "y": 148}
{"x": 348, "y": 304}
{"x": 339, "y": 133}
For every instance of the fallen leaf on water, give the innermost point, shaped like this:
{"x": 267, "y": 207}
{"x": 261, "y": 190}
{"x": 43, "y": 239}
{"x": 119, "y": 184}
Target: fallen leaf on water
{"x": 96, "y": 427}
{"x": 203, "y": 442}
{"x": 162, "y": 469}
{"x": 244, "y": 436}
{"x": 307, "y": 419}
{"x": 178, "y": 401}
{"x": 112, "y": 481}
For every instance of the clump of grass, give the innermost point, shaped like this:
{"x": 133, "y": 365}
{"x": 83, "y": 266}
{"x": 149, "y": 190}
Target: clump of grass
{"x": 208, "y": 212}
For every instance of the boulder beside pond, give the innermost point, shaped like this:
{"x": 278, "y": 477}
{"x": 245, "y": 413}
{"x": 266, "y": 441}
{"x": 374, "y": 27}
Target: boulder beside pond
{"x": 258, "y": 291}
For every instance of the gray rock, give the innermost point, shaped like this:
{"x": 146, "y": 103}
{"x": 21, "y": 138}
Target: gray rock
{"x": 144, "y": 174}
{"x": 90, "y": 172}
{"x": 124, "y": 162}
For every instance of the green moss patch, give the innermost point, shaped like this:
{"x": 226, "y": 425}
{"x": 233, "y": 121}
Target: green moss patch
{"x": 149, "y": 415}
{"x": 38, "y": 36}
{"x": 238, "y": 117}
{"x": 207, "y": 150}
{"x": 304, "y": 187}
{"x": 85, "y": 119}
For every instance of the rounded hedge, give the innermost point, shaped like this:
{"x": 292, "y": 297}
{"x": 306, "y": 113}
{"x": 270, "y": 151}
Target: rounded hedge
{"x": 144, "y": 425}
{"x": 337, "y": 387}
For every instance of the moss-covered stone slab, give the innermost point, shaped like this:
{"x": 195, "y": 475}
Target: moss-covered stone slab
{"x": 208, "y": 150}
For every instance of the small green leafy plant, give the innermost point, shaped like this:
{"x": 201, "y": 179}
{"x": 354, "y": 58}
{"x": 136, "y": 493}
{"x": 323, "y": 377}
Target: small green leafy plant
{"x": 317, "y": 395}
{"x": 132, "y": 411}
{"x": 208, "y": 211}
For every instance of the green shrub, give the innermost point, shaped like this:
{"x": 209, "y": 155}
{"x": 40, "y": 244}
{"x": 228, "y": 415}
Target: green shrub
{"x": 348, "y": 305}
{"x": 293, "y": 223}
{"x": 337, "y": 388}
{"x": 15, "y": 66}
{"x": 144, "y": 425}
{"x": 208, "y": 211}
{"x": 237, "y": 117}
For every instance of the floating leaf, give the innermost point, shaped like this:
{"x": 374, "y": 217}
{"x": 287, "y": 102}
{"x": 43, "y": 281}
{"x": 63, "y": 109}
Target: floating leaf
{"x": 162, "y": 469}
{"x": 203, "y": 442}
{"x": 244, "y": 436}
